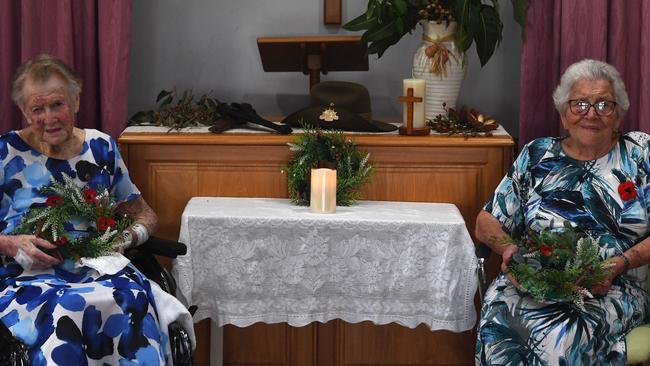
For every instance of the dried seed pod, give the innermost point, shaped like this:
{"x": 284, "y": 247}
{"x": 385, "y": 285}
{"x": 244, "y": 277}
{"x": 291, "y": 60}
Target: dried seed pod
{"x": 431, "y": 50}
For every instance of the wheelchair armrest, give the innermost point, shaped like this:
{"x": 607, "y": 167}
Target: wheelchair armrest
{"x": 482, "y": 250}
{"x": 163, "y": 247}
{"x": 143, "y": 258}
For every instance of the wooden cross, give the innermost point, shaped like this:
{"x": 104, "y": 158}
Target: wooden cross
{"x": 409, "y": 99}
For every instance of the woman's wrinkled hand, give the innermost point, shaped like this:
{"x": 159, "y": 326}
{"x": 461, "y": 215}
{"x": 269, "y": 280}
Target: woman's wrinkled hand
{"x": 617, "y": 267}
{"x": 123, "y": 241}
{"x": 603, "y": 287}
{"x": 506, "y": 255}
{"x": 29, "y": 248}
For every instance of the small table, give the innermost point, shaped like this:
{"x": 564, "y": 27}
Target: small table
{"x": 266, "y": 260}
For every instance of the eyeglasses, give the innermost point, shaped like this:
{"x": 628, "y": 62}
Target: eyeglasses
{"x": 603, "y": 108}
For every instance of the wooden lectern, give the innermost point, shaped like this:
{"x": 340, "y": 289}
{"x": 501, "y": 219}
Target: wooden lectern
{"x": 313, "y": 55}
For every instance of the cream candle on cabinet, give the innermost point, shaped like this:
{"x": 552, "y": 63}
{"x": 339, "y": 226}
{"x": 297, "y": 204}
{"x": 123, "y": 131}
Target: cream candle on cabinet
{"x": 323, "y": 191}
{"x": 419, "y": 87}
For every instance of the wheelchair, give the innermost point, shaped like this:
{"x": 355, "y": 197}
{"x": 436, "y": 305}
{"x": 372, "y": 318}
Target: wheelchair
{"x": 15, "y": 353}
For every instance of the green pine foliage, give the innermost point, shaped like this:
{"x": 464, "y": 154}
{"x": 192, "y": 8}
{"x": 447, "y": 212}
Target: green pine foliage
{"x": 317, "y": 148}
{"x": 558, "y": 266}
{"x": 185, "y": 112}
{"x": 68, "y": 203}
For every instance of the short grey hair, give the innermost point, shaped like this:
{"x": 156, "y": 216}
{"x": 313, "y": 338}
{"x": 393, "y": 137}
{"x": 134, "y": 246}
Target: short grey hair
{"x": 40, "y": 69}
{"x": 589, "y": 69}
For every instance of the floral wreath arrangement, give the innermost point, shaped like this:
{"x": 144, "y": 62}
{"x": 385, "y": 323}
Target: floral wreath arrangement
{"x": 466, "y": 121}
{"x": 316, "y": 148}
{"x": 558, "y": 266}
{"x": 67, "y": 203}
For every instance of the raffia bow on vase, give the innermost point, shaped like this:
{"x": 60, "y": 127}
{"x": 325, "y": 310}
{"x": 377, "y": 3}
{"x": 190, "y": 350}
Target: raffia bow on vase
{"x": 439, "y": 54}
{"x": 441, "y": 64}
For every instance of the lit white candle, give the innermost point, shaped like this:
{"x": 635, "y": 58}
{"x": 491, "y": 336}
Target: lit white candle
{"x": 419, "y": 86}
{"x": 323, "y": 191}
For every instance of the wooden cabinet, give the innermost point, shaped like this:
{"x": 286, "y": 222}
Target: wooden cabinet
{"x": 171, "y": 168}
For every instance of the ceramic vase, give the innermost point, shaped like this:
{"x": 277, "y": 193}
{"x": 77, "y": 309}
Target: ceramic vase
{"x": 441, "y": 64}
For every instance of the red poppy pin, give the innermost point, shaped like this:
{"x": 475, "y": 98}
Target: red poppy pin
{"x": 627, "y": 190}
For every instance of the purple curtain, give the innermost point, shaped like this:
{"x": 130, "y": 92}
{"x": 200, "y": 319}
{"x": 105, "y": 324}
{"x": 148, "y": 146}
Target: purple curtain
{"x": 561, "y": 32}
{"x": 91, "y": 36}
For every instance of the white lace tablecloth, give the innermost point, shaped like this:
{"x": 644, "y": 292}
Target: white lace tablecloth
{"x": 265, "y": 260}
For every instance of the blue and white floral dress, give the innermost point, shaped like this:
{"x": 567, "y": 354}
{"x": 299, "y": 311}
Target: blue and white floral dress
{"x": 66, "y": 315}
{"x": 546, "y": 187}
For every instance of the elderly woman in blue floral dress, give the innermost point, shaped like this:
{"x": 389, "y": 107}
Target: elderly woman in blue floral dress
{"x": 596, "y": 178}
{"x": 69, "y": 315}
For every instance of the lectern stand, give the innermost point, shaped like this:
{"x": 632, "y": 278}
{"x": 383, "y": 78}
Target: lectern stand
{"x": 313, "y": 55}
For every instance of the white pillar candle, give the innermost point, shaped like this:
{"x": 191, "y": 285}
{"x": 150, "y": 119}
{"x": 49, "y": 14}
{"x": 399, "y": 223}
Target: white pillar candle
{"x": 419, "y": 86}
{"x": 323, "y": 191}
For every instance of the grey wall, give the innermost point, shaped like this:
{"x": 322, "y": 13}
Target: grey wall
{"x": 209, "y": 46}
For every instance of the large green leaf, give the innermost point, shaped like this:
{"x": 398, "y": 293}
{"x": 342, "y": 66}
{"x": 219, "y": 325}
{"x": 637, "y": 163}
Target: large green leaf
{"x": 401, "y": 6}
{"x": 400, "y": 26}
{"x": 163, "y": 93}
{"x": 520, "y": 11}
{"x": 141, "y": 118}
{"x": 372, "y": 6}
{"x": 382, "y": 32}
{"x": 360, "y": 23}
{"x": 379, "y": 47}
{"x": 463, "y": 10}
{"x": 167, "y": 101}
{"x": 487, "y": 29}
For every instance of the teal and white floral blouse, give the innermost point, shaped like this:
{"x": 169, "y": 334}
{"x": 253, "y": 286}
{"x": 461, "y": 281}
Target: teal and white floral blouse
{"x": 608, "y": 198}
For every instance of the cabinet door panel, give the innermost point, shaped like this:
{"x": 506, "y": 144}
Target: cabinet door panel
{"x": 242, "y": 181}
{"x": 441, "y": 183}
{"x": 368, "y": 344}
{"x": 345, "y": 344}
{"x": 268, "y": 344}
{"x": 171, "y": 185}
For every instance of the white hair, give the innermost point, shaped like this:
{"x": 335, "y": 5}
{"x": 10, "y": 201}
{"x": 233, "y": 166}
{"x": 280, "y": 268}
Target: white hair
{"x": 589, "y": 69}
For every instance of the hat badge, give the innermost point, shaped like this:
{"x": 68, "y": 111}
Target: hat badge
{"x": 329, "y": 114}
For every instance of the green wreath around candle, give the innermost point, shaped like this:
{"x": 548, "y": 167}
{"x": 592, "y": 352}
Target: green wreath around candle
{"x": 316, "y": 148}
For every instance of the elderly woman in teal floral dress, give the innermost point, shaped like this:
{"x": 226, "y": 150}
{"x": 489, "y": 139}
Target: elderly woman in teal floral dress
{"x": 597, "y": 179}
